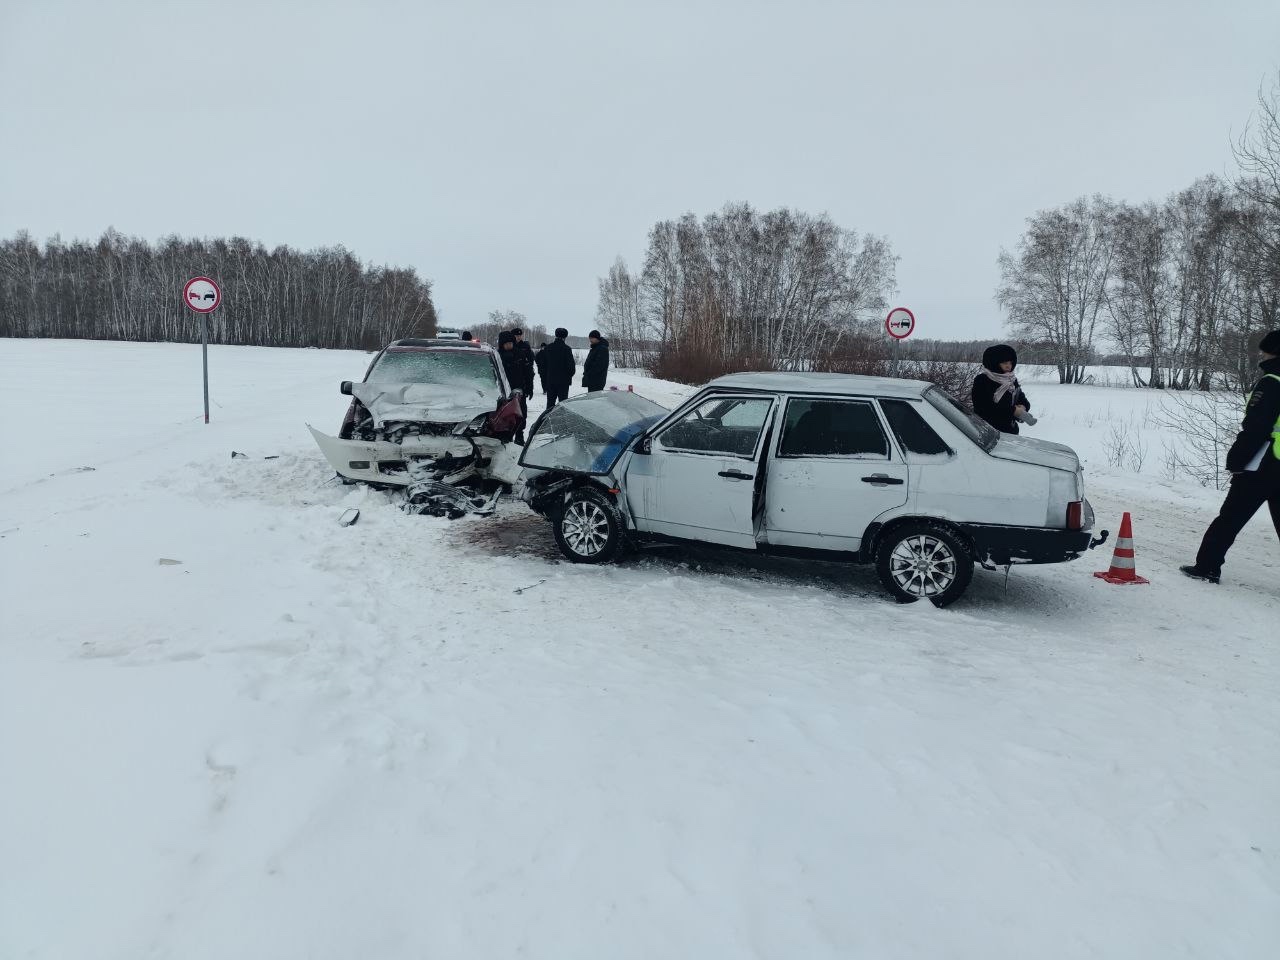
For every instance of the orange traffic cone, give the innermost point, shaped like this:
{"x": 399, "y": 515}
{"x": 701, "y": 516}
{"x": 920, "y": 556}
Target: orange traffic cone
{"x": 1123, "y": 569}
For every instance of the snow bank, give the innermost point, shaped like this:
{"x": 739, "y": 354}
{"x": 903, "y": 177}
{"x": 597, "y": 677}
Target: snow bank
{"x": 304, "y": 740}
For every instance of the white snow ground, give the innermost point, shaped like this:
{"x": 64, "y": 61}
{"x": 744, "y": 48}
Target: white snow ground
{"x": 312, "y": 741}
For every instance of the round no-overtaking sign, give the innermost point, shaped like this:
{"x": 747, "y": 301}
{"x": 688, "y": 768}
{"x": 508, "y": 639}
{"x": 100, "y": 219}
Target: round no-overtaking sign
{"x": 202, "y": 295}
{"x": 900, "y": 323}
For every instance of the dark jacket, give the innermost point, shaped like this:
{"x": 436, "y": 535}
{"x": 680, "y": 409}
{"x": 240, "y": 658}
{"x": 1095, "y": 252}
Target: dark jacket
{"x": 558, "y": 365}
{"x": 998, "y": 414}
{"x": 540, "y": 361}
{"x": 527, "y": 361}
{"x": 1260, "y": 416}
{"x": 595, "y": 369}
{"x": 512, "y": 365}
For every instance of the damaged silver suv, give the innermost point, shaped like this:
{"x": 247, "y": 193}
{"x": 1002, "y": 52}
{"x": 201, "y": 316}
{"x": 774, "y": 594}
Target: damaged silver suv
{"x": 435, "y": 418}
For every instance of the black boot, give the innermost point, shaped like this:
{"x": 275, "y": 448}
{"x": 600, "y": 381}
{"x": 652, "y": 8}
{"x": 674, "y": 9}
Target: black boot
{"x": 1195, "y": 573}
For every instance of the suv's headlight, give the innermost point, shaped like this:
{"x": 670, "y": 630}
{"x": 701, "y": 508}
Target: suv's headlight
{"x": 475, "y": 426}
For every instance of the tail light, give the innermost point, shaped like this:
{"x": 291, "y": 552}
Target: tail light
{"x": 1075, "y": 515}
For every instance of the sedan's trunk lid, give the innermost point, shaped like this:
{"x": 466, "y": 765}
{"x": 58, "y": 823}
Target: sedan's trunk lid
{"x": 1011, "y": 446}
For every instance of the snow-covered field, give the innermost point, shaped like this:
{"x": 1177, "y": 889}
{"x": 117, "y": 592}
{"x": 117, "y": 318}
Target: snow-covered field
{"x": 416, "y": 738}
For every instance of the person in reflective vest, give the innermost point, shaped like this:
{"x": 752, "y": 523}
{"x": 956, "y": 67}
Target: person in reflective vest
{"x": 1254, "y": 464}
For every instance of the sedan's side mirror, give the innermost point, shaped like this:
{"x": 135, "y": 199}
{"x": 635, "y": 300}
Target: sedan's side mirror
{"x": 344, "y": 388}
{"x": 645, "y": 445}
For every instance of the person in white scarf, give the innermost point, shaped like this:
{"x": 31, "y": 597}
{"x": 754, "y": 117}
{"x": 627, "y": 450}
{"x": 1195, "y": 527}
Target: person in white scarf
{"x": 998, "y": 398}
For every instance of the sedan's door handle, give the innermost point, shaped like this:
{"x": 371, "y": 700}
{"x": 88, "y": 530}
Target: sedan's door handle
{"x": 882, "y": 479}
{"x": 735, "y": 475}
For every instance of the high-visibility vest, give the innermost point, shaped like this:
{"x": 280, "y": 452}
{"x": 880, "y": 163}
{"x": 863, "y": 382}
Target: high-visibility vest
{"x": 1275, "y": 430}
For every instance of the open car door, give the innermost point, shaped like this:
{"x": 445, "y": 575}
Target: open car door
{"x": 698, "y": 476}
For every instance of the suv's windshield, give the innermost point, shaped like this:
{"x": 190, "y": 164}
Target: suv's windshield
{"x": 976, "y": 429}
{"x": 409, "y": 365}
{"x": 588, "y": 434}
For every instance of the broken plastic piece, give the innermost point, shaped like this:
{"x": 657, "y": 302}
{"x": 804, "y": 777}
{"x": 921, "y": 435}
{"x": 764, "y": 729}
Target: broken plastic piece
{"x": 237, "y": 454}
{"x": 349, "y": 516}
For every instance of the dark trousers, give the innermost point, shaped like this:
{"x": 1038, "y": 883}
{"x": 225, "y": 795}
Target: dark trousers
{"x": 1248, "y": 492}
{"x": 555, "y": 393}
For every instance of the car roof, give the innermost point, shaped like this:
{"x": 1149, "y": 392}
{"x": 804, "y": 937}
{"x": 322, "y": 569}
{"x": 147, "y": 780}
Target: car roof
{"x": 845, "y": 384}
{"x": 425, "y": 344}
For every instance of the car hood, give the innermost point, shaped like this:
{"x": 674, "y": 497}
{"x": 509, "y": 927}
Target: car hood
{"x": 1010, "y": 446}
{"x": 589, "y": 433}
{"x": 425, "y": 402}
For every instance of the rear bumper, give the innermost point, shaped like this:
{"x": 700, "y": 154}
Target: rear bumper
{"x": 1002, "y": 545}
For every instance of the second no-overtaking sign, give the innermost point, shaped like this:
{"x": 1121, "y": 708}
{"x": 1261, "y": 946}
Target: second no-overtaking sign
{"x": 900, "y": 323}
{"x": 203, "y": 296}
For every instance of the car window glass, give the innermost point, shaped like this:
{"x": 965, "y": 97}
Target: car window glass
{"x": 588, "y": 434}
{"x": 409, "y": 365}
{"x": 912, "y": 430}
{"x": 832, "y": 428}
{"x": 724, "y": 425}
{"x": 976, "y": 429}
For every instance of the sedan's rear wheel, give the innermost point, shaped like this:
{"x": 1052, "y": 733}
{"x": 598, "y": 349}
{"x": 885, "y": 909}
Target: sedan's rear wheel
{"x": 589, "y": 528}
{"x": 924, "y": 561}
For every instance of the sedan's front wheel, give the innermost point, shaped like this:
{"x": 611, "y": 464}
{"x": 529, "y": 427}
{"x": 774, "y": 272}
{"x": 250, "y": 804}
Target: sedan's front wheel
{"x": 924, "y": 561}
{"x": 589, "y": 528}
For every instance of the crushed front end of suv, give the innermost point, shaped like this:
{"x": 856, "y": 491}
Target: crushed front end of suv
{"x": 435, "y": 418}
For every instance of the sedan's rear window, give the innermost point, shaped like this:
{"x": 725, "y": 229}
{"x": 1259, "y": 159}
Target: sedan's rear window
{"x": 979, "y": 431}
{"x": 913, "y": 432}
{"x": 413, "y": 365}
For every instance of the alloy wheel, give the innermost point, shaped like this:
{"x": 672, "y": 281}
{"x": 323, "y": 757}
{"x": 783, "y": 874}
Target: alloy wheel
{"x": 923, "y": 565}
{"x": 585, "y": 528}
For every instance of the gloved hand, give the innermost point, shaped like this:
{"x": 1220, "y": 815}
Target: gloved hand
{"x": 1028, "y": 419}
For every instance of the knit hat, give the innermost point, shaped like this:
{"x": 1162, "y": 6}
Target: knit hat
{"x": 561, "y": 333}
{"x": 506, "y": 336}
{"x": 1270, "y": 343}
{"x": 594, "y": 335}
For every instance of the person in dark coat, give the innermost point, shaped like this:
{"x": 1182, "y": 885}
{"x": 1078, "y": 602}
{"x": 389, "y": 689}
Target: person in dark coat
{"x": 595, "y": 369}
{"x": 540, "y": 362}
{"x": 513, "y": 367}
{"x": 558, "y": 368}
{"x": 998, "y": 398}
{"x": 525, "y": 352}
{"x": 1254, "y": 464}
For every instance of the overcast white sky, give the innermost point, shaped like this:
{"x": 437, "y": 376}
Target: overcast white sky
{"x": 509, "y": 151}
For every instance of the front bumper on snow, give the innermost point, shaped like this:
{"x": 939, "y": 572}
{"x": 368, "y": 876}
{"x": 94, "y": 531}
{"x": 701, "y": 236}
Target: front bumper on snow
{"x": 381, "y": 462}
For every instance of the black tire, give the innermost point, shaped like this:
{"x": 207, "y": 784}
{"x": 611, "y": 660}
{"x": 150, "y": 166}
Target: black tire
{"x": 589, "y": 527}
{"x": 923, "y": 560}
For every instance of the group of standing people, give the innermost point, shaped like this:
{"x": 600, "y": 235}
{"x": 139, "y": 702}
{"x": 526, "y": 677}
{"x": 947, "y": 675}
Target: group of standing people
{"x": 1253, "y": 460}
{"x": 553, "y": 363}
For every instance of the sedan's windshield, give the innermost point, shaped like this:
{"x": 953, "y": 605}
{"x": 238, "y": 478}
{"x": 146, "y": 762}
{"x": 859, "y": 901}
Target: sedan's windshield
{"x": 588, "y": 434}
{"x": 409, "y": 365}
{"x": 975, "y": 428}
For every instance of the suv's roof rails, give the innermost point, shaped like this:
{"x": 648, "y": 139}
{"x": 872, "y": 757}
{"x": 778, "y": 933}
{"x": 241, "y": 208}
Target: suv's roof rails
{"x": 424, "y": 342}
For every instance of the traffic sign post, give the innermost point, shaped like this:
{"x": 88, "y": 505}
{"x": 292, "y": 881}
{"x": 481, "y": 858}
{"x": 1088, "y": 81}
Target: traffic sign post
{"x": 203, "y": 296}
{"x": 899, "y": 324}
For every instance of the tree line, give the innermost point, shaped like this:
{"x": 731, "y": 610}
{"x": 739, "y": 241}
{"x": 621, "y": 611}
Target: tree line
{"x": 124, "y": 288}
{"x": 1180, "y": 288}
{"x": 741, "y": 289}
